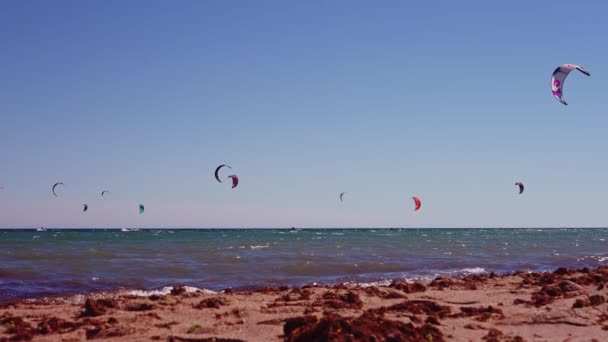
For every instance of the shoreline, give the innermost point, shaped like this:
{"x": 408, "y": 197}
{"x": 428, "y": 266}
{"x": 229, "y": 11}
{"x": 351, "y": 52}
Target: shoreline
{"x": 519, "y": 306}
{"x": 118, "y": 290}
{"x": 125, "y": 229}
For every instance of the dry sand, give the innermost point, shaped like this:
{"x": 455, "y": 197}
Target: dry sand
{"x": 566, "y": 305}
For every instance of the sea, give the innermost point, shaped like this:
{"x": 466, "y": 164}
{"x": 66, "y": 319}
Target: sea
{"x": 67, "y": 262}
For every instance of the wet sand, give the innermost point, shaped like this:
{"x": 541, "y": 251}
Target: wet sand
{"x": 565, "y": 305}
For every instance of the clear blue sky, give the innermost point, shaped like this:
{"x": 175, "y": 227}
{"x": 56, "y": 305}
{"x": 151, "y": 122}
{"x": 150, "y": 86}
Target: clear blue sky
{"x": 446, "y": 100}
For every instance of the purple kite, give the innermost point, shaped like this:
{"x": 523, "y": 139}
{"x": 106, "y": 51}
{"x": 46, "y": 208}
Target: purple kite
{"x": 559, "y": 76}
{"x": 235, "y": 180}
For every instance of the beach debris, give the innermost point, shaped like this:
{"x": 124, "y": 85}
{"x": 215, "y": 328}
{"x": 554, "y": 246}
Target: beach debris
{"x": 102, "y": 332}
{"x": 211, "y": 303}
{"x": 235, "y": 180}
{"x": 93, "y": 308}
{"x": 407, "y": 287}
{"x": 594, "y": 300}
{"x": 206, "y": 339}
{"x": 564, "y": 271}
{"x": 292, "y": 324}
{"x": 166, "y": 325}
{"x": 140, "y": 307}
{"x": 568, "y": 286}
{"x": 521, "y": 187}
{"x": 20, "y": 329}
{"x": 348, "y": 300}
{"x": 482, "y": 314}
{"x": 296, "y": 294}
{"x": 417, "y": 202}
{"x": 54, "y": 186}
{"x": 57, "y": 325}
{"x": 373, "y": 291}
{"x": 367, "y": 327}
{"x": 24, "y": 331}
{"x": 493, "y": 335}
{"x": 442, "y": 282}
{"x": 178, "y": 291}
{"x": 419, "y": 306}
{"x": 559, "y": 77}
{"x": 274, "y": 321}
{"x": 217, "y": 170}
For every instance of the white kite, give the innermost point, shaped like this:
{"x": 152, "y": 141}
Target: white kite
{"x": 559, "y": 77}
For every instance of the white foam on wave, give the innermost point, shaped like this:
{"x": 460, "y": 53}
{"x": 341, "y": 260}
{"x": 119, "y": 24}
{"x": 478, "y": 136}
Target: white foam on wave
{"x": 73, "y": 299}
{"x": 474, "y": 270}
{"x": 387, "y": 282}
{"x": 373, "y": 283}
{"x": 165, "y": 291}
{"x": 259, "y": 246}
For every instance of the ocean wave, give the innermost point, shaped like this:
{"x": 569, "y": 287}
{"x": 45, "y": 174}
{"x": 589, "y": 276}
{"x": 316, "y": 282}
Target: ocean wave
{"x": 385, "y": 282}
{"x": 165, "y": 291}
{"x": 77, "y": 299}
{"x": 474, "y": 270}
{"x": 259, "y": 246}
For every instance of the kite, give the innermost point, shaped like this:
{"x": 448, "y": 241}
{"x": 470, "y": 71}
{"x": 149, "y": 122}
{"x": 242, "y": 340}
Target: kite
{"x": 521, "y": 187}
{"x": 235, "y": 180}
{"x": 417, "y": 202}
{"x": 342, "y": 194}
{"x": 217, "y": 170}
{"x": 85, "y": 207}
{"x": 103, "y": 192}
{"x": 559, "y": 77}
{"x": 141, "y": 208}
{"x": 54, "y": 186}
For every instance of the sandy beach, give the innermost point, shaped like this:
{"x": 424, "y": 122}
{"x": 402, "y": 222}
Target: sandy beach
{"x": 565, "y": 305}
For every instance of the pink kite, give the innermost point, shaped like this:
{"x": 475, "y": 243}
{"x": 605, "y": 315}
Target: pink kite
{"x": 235, "y": 180}
{"x": 417, "y": 202}
{"x": 559, "y": 76}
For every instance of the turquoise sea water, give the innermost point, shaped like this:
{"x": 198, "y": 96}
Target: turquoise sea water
{"x": 35, "y": 264}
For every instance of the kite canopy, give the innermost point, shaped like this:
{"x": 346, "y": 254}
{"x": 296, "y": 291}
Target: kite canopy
{"x": 141, "y": 208}
{"x": 559, "y": 77}
{"x": 85, "y": 207}
{"x": 417, "y": 202}
{"x": 54, "y": 186}
{"x": 342, "y": 194}
{"x": 521, "y": 187}
{"x": 217, "y": 170}
{"x": 235, "y": 180}
{"x": 103, "y": 193}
